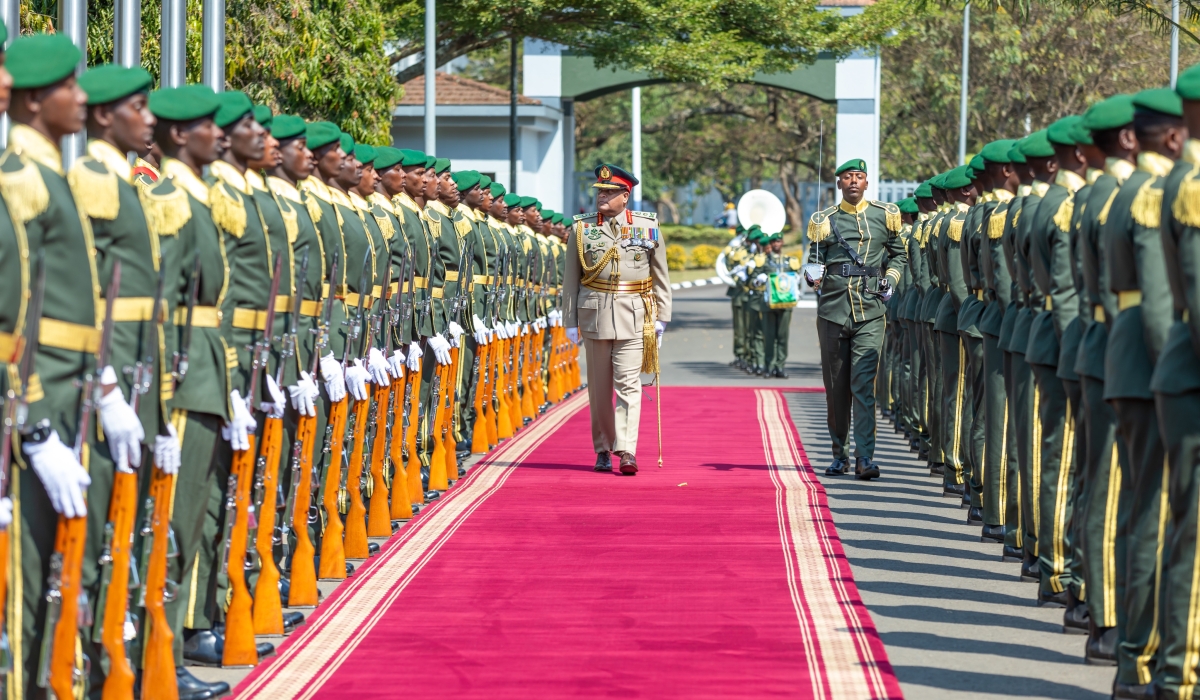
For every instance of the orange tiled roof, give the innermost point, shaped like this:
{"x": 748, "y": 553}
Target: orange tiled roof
{"x": 457, "y": 90}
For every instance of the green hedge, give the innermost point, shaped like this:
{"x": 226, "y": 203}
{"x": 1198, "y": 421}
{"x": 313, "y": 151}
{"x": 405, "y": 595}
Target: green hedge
{"x": 695, "y": 235}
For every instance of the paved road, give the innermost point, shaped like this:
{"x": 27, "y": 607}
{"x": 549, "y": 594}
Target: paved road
{"x": 957, "y": 623}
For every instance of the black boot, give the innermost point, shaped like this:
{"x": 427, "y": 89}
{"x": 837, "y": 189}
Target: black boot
{"x": 1125, "y": 691}
{"x": 192, "y": 688}
{"x": 865, "y": 469}
{"x": 974, "y": 515}
{"x": 937, "y": 469}
{"x": 1076, "y": 619}
{"x": 1029, "y": 569}
{"x": 292, "y": 620}
{"x": 1012, "y": 554}
{"x": 837, "y": 468}
{"x": 1054, "y": 600}
{"x": 992, "y": 533}
{"x": 1101, "y": 649}
{"x": 952, "y": 490}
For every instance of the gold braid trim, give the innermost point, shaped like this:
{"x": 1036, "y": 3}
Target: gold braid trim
{"x": 1062, "y": 218}
{"x": 291, "y": 222}
{"x": 1186, "y": 206}
{"x": 591, "y": 272}
{"x": 649, "y": 338}
{"x": 385, "y": 226}
{"x": 96, "y": 194}
{"x": 167, "y": 213}
{"x": 24, "y": 192}
{"x": 956, "y": 227}
{"x": 1147, "y": 205}
{"x": 818, "y": 230}
{"x": 314, "y": 209}
{"x": 462, "y": 227}
{"x": 996, "y": 224}
{"x": 1102, "y": 217}
{"x": 893, "y": 221}
{"x": 228, "y": 213}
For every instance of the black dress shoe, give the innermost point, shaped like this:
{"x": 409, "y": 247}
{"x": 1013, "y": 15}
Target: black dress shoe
{"x": 192, "y": 688}
{"x": 914, "y": 445}
{"x": 837, "y": 468}
{"x": 264, "y": 649}
{"x": 991, "y": 533}
{"x": 349, "y": 569}
{"x": 292, "y": 620}
{"x": 937, "y": 469}
{"x": 1101, "y": 649}
{"x": 1054, "y": 600}
{"x": 781, "y": 374}
{"x": 899, "y": 427}
{"x": 462, "y": 471}
{"x": 974, "y": 515}
{"x": 952, "y": 490}
{"x": 865, "y": 469}
{"x": 885, "y": 413}
{"x": 603, "y": 462}
{"x": 372, "y": 549}
{"x": 1125, "y": 691}
{"x": 923, "y": 454}
{"x": 1076, "y": 619}
{"x": 463, "y": 446}
{"x": 1030, "y": 570}
{"x": 1012, "y": 554}
{"x": 628, "y": 464}
{"x": 462, "y": 454}
{"x": 203, "y": 648}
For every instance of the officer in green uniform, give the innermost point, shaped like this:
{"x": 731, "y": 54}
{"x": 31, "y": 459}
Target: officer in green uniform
{"x": 1138, "y": 275}
{"x": 777, "y": 322}
{"x": 1176, "y": 386}
{"x": 1111, "y": 125}
{"x": 957, "y": 185}
{"x": 917, "y": 280}
{"x": 850, "y": 241}
{"x": 931, "y": 200}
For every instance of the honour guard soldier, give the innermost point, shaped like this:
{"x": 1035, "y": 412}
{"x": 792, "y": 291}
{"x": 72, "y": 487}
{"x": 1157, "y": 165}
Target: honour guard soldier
{"x": 617, "y": 302}
{"x": 776, "y": 322}
{"x": 852, "y": 244}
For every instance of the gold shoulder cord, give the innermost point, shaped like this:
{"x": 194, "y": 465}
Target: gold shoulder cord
{"x": 591, "y": 272}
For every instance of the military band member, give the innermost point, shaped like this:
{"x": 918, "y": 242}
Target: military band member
{"x": 776, "y": 322}
{"x": 616, "y": 302}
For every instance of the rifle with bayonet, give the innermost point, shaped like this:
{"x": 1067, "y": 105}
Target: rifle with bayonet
{"x": 401, "y": 503}
{"x": 68, "y": 609}
{"x": 439, "y": 475}
{"x": 481, "y": 370}
{"x": 462, "y": 299}
{"x": 528, "y": 413}
{"x": 504, "y": 422}
{"x": 379, "y": 520}
{"x": 354, "y": 540}
{"x": 179, "y": 363}
{"x": 240, "y": 649}
{"x": 290, "y": 348}
{"x": 416, "y": 483}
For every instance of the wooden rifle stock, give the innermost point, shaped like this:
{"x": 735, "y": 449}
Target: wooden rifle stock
{"x": 240, "y": 648}
{"x": 158, "y": 660}
{"x": 437, "y": 460}
{"x": 479, "y": 439}
{"x": 489, "y": 408}
{"x": 379, "y": 518}
{"x": 333, "y": 556}
{"x": 504, "y": 426}
{"x": 449, "y": 441}
{"x": 67, "y": 565}
{"x": 354, "y": 541}
{"x": 122, "y": 510}
{"x": 541, "y": 366}
{"x": 302, "y": 591}
{"x": 401, "y": 505}
{"x": 528, "y": 411}
{"x": 268, "y": 608}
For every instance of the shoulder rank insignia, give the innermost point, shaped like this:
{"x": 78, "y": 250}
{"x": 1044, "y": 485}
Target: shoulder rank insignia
{"x": 23, "y": 188}
{"x": 585, "y": 217}
{"x": 892, "y": 214}
{"x": 95, "y": 189}
{"x": 818, "y": 224}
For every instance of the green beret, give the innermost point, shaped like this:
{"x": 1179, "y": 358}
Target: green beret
{"x": 111, "y": 82}
{"x": 386, "y": 157}
{"x": 465, "y": 179}
{"x": 557, "y": 218}
{"x": 347, "y": 142}
{"x": 430, "y": 161}
{"x": 411, "y": 157}
{"x": 976, "y": 167}
{"x": 1062, "y": 132}
{"x": 322, "y": 134}
{"x": 777, "y": 236}
{"x": 41, "y": 59}
{"x": 924, "y": 190}
{"x": 287, "y": 126}
{"x": 184, "y": 103}
{"x": 484, "y": 181}
{"x": 1113, "y": 113}
{"x": 512, "y": 199}
{"x": 441, "y": 165}
{"x": 852, "y": 164}
{"x": 957, "y": 178}
{"x": 908, "y": 205}
{"x": 527, "y": 202}
{"x": 997, "y": 151}
{"x": 1037, "y": 145}
{"x": 1187, "y": 85}
{"x": 234, "y": 106}
{"x": 365, "y": 154}
{"x": 547, "y": 214}
{"x": 754, "y": 233}
{"x": 1080, "y": 133}
{"x": 497, "y": 190}
{"x": 263, "y": 115}
{"x": 938, "y": 181}
{"x": 1015, "y": 153}
{"x": 1162, "y": 100}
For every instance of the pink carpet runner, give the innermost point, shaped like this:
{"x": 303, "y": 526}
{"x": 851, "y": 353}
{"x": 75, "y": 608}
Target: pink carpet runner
{"x": 719, "y": 575}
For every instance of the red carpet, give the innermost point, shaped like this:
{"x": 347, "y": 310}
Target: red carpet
{"x": 719, "y": 575}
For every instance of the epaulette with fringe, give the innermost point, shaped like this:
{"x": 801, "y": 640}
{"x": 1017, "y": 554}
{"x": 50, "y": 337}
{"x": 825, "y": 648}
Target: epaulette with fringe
{"x": 995, "y": 227}
{"x": 818, "y": 225}
{"x": 385, "y": 224}
{"x": 291, "y": 222}
{"x": 892, "y": 212}
{"x": 228, "y": 212}
{"x": 1146, "y": 209}
{"x": 166, "y": 211}
{"x": 1062, "y": 217}
{"x": 313, "y": 207}
{"x": 1102, "y": 217}
{"x": 462, "y": 227}
{"x": 96, "y": 192}
{"x": 24, "y": 190}
{"x": 1186, "y": 206}
{"x": 956, "y": 229}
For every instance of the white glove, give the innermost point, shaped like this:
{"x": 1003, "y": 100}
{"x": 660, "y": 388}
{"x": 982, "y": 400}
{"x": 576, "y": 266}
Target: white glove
{"x": 237, "y": 431}
{"x": 357, "y": 377}
{"x": 750, "y": 264}
{"x": 63, "y": 477}
{"x": 456, "y": 332}
{"x": 539, "y": 323}
{"x": 304, "y": 395}
{"x": 441, "y": 349}
{"x": 278, "y": 403}
{"x": 482, "y": 332}
{"x": 167, "y": 453}
{"x": 396, "y": 364}
{"x": 501, "y": 330}
{"x": 335, "y": 381}
{"x": 414, "y": 358}
{"x": 122, "y": 428}
{"x": 760, "y": 278}
{"x": 377, "y": 365}
{"x": 513, "y": 329}
{"x": 659, "y": 329}
{"x": 525, "y": 329}
{"x": 555, "y": 317}
{"x": 885, "y": 289}
{"x": 5, "y": 512}
{"x": 573, "y": 334}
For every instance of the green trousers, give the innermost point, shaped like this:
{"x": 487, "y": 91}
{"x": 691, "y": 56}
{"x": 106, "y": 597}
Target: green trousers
{"x": 776, "y": 326}
{"x": 932, "y": 364}
{"x": 1014, "y": 526}
{"x": 755, "y": 312}
{"x": 954, "y": 404}
{"x": 996, "y": 455}
{"x": 1023, "y": 402}
{"x": 1079, "y": 488}
{"x": 1179, "y": 652}
{"x": 1052, "y": 478}
{"x": 849, "y": 363}
{"x": 1144, "y": 538}
{"x": 918, "y": 383}
{"x": 1102, "y": 506}
{"x": 739, "y": 328}
{"x": 974, "y": 420}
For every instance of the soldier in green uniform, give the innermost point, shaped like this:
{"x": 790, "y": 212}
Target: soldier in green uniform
{"x": 931, "y": 200}
{"x": 957, "y": 185}
{"x": 969, "y": 311}
{"x": 777, "y": 322}
{"x": 851, "y": 306}
{"x": 1176, "y": 386}
{"x": 917, "y": 281}
{"x": 753, "y": 305}
{"x": 1111, "y": 126}
{"x": 734, "y": 254}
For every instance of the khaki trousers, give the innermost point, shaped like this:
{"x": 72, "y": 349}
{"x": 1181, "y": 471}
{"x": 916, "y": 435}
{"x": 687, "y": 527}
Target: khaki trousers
{"x": 614, "y": 364}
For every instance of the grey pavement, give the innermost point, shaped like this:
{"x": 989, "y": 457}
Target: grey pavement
{"x": 956, "y": 622}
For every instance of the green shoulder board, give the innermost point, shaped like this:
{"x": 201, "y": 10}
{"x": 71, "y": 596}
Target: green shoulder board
{"x": 818, "y": 224}
{"x": 892, "y": 212}
{"x": 22, "y": 187}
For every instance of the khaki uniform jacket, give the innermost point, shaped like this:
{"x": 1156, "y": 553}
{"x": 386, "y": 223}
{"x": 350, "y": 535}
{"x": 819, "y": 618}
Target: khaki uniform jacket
{"x": 600, "y": 315}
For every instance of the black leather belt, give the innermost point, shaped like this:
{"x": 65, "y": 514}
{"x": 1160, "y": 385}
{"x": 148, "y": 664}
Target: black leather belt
{"x": 851, "y": 270}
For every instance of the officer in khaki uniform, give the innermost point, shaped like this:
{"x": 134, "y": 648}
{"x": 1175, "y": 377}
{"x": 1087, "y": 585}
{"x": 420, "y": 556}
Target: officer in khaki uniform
{"x": 617, "y": 298}
{"x": 850, "y": 321}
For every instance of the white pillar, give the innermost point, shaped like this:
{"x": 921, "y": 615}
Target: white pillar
{"x": 212, "y": 51}
{"x": 857, "y": 131}
{"x": 127, "y": 32}
{"x": 10, "y": 11}
{"x": 636, "y": 118}
{"x": 174, "y": 43}
{"x": 962, "y": 98}
{"x": 430, "y": 77}
{"x": 72, "y": 21}
{"x": 1174, "y": 41}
